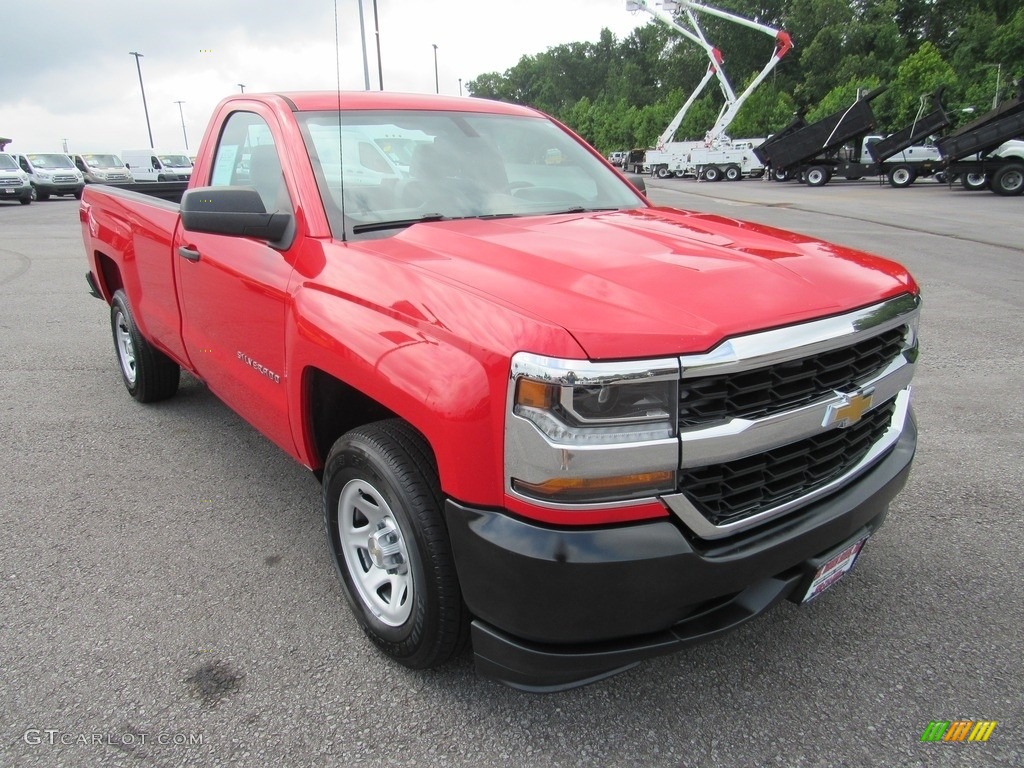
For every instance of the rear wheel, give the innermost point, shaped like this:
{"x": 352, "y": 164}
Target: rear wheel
{"x": 385, "y": 527}
{"x": 663, "y": 172}
{"x": 902, "y": 176}
{"x": 972, "y": 182}
{"x": 712, "y": 173}
{"x": 1008, "y": 180}
{"x": 733, "y": 173}
{"x": 817, "y": 176}
{"x": 149, "y": 375}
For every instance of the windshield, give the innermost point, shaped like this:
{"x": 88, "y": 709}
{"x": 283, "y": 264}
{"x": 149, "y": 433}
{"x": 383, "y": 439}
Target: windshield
{"x": 103, "y": 161}
{"x": 175, "y": 161}
{"x": 7, "y": 163}
{"x": 404, "y": 166}
{"x": 50, "y": 161}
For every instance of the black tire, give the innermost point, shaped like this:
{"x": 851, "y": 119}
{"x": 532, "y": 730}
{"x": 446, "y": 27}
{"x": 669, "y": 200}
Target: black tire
{"x": 733, "y": 172}
{"x": 712, "y": 173}
{"x": 973, "y": 182}
{"x": 383, "y": 513}
{"x": 148, "y": 374}
{"x": 1008, "y": 180}
{"x": 902, "y": 175}
{"x": 78, "y": 194}
{"x": 663, "y": 172}
{"x": 817, "y": 176}
{"x": 780, "y": 174}
{"x": 40, "y": 195}
{"x": 26, "y": 200}
{"x": 680, "y": 174}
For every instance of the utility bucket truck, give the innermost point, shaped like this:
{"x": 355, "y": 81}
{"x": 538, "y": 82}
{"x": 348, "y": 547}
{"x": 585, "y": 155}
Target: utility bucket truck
{"x": 716, "y": 156}
{"x": 984, "y": 153}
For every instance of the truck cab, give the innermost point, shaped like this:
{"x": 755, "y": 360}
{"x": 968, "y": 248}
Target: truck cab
{"x": 51, "y": 174}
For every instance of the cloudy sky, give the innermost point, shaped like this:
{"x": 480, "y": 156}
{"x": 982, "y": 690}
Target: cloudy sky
{"x": 67, "y": 72}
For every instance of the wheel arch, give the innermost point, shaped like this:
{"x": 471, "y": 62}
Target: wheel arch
{"x": 108, "y": 274}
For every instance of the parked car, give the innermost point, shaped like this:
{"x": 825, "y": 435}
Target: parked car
{"x": 102, "y": 169}
{"x": 14, "y": 182}
{"x": 51, "y": 174}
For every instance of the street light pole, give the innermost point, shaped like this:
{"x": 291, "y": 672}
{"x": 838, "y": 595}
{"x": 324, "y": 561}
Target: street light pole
{"x": 999, "y": 76}
{"x": 242, "y": 86}
{"x": 179, "y": 103}
{"x": 376, "y": 32}
{"x": 143, "y": 89}
{"x": 437, "y": 86}
{"x": 460, "y": 86}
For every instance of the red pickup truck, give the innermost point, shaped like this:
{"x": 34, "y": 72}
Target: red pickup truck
{"x": 574, "y": 428}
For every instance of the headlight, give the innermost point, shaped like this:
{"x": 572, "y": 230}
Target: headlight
{"x": 592, "y": 432}
{"x": 44, "y": 175}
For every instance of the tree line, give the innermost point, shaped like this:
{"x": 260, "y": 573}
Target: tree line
{"x": 619, "y": 94}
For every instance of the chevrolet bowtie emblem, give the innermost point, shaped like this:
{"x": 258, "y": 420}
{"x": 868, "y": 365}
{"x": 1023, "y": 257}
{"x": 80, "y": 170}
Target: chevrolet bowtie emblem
{"x": 850, "y": 410}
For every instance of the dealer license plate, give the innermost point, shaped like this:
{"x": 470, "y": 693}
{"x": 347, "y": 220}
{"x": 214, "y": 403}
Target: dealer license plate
{"x": 8, "y": 191}
{"x": 833, "y": 570}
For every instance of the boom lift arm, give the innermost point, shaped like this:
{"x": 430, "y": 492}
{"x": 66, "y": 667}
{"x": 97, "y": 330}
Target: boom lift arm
{"x": 732, "y": 105}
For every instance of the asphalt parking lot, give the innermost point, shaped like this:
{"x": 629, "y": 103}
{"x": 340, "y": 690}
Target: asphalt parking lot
{"x": 167, "y": 597}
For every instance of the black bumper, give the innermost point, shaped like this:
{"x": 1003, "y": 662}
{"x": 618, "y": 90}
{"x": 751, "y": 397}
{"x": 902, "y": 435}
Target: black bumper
{"x": 557, "y": 608}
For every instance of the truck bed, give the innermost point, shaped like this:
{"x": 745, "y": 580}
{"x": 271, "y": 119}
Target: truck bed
{"x": 986, "y": 132}
{"x": 929, "y": 124}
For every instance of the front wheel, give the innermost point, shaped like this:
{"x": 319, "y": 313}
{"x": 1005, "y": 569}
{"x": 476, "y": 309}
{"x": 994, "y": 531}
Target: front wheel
{"x": 148, "y": 374}
{"x": 26, "y": 200}
{"x": 780, "y": 174}
{"x": 902, "y": 176}
{"x": 387, "y": 536}
{"x": 1008, "y": 180}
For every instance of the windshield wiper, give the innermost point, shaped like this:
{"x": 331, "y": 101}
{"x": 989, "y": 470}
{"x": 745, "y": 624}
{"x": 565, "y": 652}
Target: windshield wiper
{"x": 579, "y": 209}
{"x": 377, "y": 226}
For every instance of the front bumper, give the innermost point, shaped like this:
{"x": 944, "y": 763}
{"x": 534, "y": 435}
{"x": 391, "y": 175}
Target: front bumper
{"x": 16, "y": 193}
{"x": 558, "y": 608}
{"x": 70, "y": 188}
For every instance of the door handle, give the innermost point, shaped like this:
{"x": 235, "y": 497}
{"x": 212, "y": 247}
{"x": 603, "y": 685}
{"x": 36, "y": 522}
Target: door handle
{"x": 188, "y": 253}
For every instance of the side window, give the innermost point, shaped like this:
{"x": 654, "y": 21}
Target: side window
{"x": 247, "y": 156}
{"x": 80, "y": 164}
{"x": 24, "y": 165}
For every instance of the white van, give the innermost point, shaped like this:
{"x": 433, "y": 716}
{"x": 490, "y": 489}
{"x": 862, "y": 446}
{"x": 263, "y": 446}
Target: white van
{"x": 14, "y": 182}
{"x": 157, "y": 165}
{"x": 102, "y": 169}
{"x": 51, "y": 173}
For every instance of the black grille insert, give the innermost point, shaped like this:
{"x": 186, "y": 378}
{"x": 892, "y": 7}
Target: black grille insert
{"x": 734, "y": 490}
{"x": 783, "y": 386}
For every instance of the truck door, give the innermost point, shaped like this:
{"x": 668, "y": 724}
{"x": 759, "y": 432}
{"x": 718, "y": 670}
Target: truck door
{"x": 233, "y": 290}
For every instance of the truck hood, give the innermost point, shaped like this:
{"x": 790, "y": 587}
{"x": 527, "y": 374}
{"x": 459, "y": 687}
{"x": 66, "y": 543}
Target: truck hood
{"x": 649, "y": 282}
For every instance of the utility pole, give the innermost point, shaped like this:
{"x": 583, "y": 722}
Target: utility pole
{"x": 179, "y": 103}
{"x": 460, "y": 86}
{"x": 362, "y": 38}
{"x": 241, "y": 86}
{"x": 143, "y": 89}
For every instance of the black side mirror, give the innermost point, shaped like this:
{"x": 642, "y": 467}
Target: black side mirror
{"x": 235, "y": 211}
{"x": 637, "y": 181}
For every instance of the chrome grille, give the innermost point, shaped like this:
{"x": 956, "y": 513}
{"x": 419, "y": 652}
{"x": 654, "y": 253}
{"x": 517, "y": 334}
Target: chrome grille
{"x": 733, "y": 490}
{"x": 10, "y": 182}
{"x": 787, "y": 385}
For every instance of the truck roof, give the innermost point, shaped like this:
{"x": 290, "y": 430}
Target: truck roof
{"x": 310, "y": 101}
